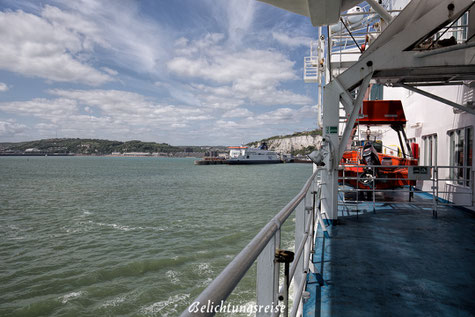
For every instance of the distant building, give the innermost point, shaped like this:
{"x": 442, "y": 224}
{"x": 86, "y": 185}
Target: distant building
{"x": 137, "y": 154}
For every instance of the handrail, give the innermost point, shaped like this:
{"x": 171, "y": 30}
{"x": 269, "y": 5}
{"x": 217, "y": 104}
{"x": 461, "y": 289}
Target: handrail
{"x": 223, "y": 285}
{"x": 433, "y": 180}
{"x": 300, "y": 248}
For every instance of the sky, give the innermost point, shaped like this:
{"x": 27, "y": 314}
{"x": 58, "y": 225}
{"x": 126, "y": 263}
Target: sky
{"x": 183, "y": 72}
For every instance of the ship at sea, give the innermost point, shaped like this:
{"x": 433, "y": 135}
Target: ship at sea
{"x": 245, "y": 155}
{"x": 248, "y": 155}
{"x": 405, "y": 250}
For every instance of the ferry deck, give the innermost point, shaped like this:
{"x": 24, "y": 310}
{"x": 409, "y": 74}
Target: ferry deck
{"x": 396, "y": 261}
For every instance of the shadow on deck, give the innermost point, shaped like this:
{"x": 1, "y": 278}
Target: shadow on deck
{"x": 398, "y": 261}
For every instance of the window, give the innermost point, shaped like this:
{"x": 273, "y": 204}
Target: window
{"x": 430, "y": 149}
{"x": 460, "y": 155}
{"x": 460, "y": 30}
{"x": 376, "y": 92}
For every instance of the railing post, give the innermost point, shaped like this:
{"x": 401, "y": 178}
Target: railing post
{"x": 374, "y": 188}
{"x": 434, "y": 192}
{"x": 286, "y": 257}
{"x": 437, "y": 185}
{"x": 300, "y": 215}
{"x": 313, "y": 219}
{"x": 267, "y": 280}
{"x": 471, "y": 187}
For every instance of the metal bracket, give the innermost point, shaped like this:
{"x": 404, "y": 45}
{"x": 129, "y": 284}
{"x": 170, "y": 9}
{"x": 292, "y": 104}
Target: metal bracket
{"x": 346, "y": 98}
{"x": 432, "y": 96}
{"x": 354, "y": 114}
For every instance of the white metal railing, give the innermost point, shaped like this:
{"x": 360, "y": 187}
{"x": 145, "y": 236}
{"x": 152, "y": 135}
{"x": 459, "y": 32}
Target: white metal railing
{"x": 265, "y": 249}
{"x": 367, "y": 181}
{"x": 314, "y": 64}
{"x": 354, "y": 33}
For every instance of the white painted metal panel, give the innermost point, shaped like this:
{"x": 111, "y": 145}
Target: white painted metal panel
{"x": 267, "y": 287}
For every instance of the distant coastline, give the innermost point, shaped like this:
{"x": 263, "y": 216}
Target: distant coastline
{"x": 97, "y": 147}
{"x": 176, "y": 155}
{"x": 298, "y": 143}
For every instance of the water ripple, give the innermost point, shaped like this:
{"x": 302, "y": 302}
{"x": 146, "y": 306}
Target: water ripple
{"x": 85, "y": 236}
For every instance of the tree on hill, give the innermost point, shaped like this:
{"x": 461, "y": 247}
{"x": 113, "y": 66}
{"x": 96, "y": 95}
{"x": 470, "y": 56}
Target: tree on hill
{"x": 90, "y": 146}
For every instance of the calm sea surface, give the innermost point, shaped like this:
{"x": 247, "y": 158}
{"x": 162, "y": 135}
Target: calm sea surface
{"x": 97, "y": 236}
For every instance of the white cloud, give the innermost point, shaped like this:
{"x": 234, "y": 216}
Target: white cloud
{"x": 110, "y": 71}
{"x": 37, "y": 48}
{"x": 239, "y": 16}
{"x": 76, "y": 24}
{"x": 238, "y": 113}
{"x": 281, "y": 116}
{"x": 277, "y": 116}
{"x": 52, "y": 110}
{"x": 131, "y": 39}
{"x": 226, "y": 125}
{"x": 263, "y": 125}
{"x": 238, "y": 76}
{"x": 11, "y": 128}
{"x": 45, "y": 126}
{"x": 179, "y": 125}
{"x": 62, "y": 42}
{"x": 132, "y": 107}
{"x": 3, "y": 87}
{"x": 114, "y": 110}
{"x": 256, "y": 68}
{"x": 292, "y": 41}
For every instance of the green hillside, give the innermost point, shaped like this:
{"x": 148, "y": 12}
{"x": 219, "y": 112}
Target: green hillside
{"x": 88, "y": 146}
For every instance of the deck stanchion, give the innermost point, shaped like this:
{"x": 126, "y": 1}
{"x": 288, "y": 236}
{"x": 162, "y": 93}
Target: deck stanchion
{"x": 313, "y": 220}
{"x": 308, "y": 239}
{"x": 344, "y": 201}
{"x": 286, "y": 257}
{"x": 436, "y": 185}
{"x": 434, "y": 188}
{"x": 357, "y": 189}
{"x": 471, "y": 187}
{"x": 374, "y": 188}
{"x": 267, "y": 280}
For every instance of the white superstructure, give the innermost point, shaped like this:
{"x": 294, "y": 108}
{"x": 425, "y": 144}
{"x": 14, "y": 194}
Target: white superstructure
{"x": 248, "y": 155}
{"x": 445, "y": 138}
{"x": 419, "y": 52}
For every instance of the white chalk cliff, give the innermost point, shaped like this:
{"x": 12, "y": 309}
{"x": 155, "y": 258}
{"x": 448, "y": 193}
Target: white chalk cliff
{"x": 288, "y": 144}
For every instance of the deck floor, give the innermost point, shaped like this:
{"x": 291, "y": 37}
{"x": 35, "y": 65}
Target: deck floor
{"x": 398, "y": 261}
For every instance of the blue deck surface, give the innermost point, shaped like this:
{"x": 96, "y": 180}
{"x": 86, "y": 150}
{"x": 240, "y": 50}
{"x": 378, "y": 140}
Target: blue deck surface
{"x": 398, "y": 261}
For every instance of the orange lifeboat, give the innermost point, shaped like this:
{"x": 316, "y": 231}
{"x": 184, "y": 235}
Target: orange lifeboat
{"x": 364, "y": 166}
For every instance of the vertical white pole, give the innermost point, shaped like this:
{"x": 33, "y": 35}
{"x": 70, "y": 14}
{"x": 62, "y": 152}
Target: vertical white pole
{"x": 331, "y": 99}
{"x": 299, "y": 234}
{"x": 267, "y": 284}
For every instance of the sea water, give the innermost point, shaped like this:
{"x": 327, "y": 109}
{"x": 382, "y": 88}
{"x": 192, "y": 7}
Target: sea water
{"x": 103, "y": 236}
